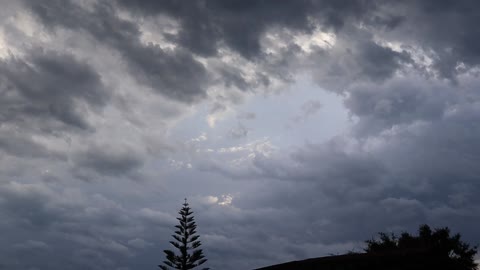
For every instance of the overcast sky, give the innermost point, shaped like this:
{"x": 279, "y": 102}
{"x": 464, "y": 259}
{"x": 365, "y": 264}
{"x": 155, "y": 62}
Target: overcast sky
{"x": 296, "y": 129}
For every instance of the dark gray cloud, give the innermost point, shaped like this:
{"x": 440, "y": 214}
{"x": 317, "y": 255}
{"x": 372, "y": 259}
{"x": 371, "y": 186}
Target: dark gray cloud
{"x": 206, "y": 24}
{"x": 378, "y": 62}
{"x": 172, "y": 72}
{"x": 233, "y": 76}
{"x": 109, "y": 160}
{"x": 400, "y": 101}
{"x": 17, "y": 144}
{"x": 48, "y": 90}
{"x": 455, "y": 45}
{"x": 356, "y": 57}
{"x": 84, "y": 231}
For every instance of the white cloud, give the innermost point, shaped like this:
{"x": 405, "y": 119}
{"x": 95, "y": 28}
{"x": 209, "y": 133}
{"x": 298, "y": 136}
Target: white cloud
{"x": 226, "y": 200}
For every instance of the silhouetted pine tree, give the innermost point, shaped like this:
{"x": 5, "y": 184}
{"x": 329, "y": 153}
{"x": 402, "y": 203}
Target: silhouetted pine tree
{"x": 186, "y": 242}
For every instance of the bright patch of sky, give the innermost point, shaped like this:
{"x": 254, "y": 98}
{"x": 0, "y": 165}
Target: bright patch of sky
{"x": 302, "y": 113}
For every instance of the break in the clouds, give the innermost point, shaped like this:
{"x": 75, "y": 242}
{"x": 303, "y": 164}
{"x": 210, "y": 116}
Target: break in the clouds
{"x": 295, "y": 128}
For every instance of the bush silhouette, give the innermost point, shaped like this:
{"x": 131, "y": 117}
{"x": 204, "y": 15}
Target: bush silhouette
{"x": 438, "y": 242}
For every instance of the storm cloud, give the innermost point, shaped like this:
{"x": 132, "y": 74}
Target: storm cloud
{"x": 295, "y": 128}
{"x": 49, "y": 86}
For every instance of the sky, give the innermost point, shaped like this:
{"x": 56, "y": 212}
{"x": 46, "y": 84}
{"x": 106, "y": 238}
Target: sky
{"x": 295, "y": 128}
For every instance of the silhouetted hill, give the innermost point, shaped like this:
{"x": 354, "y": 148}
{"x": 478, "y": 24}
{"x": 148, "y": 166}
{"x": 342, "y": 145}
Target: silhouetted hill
{"x": 411, "y": 260}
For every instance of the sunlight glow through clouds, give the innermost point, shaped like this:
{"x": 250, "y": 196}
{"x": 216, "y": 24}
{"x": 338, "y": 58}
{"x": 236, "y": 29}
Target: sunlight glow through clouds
{"x": 307, "y": 42}
{"x": 150, "y": 33}
{"x": 223, "y": 200}
{"x": 276, "y": 40}
{"x": 4, "y": 49}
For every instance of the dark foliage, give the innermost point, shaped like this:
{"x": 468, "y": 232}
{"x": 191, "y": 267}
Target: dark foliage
{"x": 186, "y": 242}
{"x": 437, "y": 242}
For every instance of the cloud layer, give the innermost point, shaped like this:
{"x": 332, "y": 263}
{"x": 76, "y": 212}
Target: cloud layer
{"x": 296, "y": 128}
